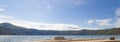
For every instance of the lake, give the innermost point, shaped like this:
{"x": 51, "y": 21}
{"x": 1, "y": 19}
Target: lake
{"x": 30, "y": 38}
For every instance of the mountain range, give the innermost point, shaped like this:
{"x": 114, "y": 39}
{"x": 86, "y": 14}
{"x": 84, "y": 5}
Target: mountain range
{"x": 10, "y": 29}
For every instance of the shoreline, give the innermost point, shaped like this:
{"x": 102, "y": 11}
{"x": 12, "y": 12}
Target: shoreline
{"x": 79, "y": 40}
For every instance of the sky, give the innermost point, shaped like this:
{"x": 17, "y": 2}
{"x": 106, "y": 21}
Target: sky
{"x": 61, "y": 14}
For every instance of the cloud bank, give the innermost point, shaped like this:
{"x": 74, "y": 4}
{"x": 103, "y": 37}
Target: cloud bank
{"x": 41, "y": 26}
{"x": 104, "y": 22}
{"x": 114, "y": 22}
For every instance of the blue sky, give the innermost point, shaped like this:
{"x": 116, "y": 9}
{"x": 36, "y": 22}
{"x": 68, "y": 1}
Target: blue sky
{"x": 91, "y": 14}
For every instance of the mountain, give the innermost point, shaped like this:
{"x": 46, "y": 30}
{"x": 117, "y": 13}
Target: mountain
{"x": 10, "y": 29}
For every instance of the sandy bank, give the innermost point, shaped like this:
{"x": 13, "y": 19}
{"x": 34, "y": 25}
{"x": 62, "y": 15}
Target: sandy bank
{"x": 62, "y": 39}
{"x": 78, "y": 41}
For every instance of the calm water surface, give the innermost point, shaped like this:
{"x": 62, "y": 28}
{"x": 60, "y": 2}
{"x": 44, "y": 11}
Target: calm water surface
{"x": 28, "y": 38}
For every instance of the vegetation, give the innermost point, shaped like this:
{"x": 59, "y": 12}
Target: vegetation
{"x": 9, "y": 29}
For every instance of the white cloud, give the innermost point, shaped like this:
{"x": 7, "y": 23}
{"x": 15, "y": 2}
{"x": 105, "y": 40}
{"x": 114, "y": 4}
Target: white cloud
{"x": 104, "y": 22}
{"x": 117, "y": 12}
{"x": 90, "y": 21}
{"x": 117, "y": 19}
{"x": 108, "y": 22}
{"x": 44, "y": 26}
{"x": 117, "y": 23}
{"x": 41, "y": 26}
{"x": 1, "y": 9}
{"x": 5, "y": 17}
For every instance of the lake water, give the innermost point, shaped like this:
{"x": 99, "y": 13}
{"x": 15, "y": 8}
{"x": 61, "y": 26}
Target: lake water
{"x": 30, "y": 38}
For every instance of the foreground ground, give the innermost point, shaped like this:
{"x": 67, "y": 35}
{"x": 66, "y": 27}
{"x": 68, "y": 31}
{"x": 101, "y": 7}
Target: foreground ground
{"x": 78, "y": 41}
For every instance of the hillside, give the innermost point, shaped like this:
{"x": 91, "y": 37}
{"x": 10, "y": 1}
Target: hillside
{"x": 10, "y": 29}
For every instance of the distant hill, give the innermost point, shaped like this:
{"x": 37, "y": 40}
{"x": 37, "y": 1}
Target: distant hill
{"x": 10, "y": 29}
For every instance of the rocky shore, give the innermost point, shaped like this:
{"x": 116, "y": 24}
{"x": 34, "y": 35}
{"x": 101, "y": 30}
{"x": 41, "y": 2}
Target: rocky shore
{"x": 62, "y": 39}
